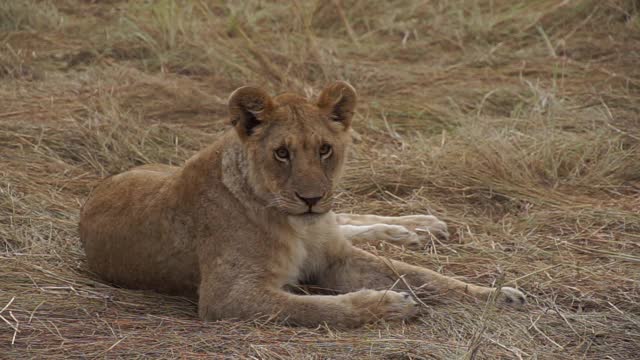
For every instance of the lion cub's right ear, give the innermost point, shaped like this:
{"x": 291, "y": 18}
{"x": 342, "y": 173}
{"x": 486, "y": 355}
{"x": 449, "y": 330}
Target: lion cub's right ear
{"x": 248, "y": 106}
{"x": 339, "y": 101}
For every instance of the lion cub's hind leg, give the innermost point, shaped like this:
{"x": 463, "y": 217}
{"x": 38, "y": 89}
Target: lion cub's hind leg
{"x": 395, "y": 234}
{"x": 410, "y": 230}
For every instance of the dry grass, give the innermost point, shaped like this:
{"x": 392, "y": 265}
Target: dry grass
{"x": 515, "y": 121}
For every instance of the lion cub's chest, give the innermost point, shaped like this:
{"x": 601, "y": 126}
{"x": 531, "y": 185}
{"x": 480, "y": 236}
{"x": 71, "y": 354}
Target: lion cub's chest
{"x": 310, "y": 240}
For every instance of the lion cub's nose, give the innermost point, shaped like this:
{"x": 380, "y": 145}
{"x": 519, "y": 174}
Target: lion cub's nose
{"x": 309, "y": 200}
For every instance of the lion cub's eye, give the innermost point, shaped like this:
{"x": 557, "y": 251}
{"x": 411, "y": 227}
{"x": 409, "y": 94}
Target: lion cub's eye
{"x": 325, "y": 151}
{"x": 282, "y": 154}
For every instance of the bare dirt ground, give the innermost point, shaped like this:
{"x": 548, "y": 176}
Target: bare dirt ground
{"x": 517, "y": 122}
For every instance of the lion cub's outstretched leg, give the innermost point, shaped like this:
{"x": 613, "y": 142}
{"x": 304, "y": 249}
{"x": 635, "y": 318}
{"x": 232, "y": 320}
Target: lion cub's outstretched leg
{"x": 348, "y": 310}
{"x": 410, "y": 230}
{"x": 361, "y": 269}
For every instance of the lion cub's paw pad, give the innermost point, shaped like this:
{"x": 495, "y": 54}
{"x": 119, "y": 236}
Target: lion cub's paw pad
{"x": 512, "y": 297}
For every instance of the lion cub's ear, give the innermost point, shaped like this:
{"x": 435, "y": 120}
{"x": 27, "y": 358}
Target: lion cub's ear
{"x": 248, "y": 107}
{"x": 339, "y": 100}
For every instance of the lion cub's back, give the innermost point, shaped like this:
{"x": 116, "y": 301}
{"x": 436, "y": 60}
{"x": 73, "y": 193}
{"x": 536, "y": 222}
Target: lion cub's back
{"x": 116, "y": 195}
{"x": 126, "y": 233}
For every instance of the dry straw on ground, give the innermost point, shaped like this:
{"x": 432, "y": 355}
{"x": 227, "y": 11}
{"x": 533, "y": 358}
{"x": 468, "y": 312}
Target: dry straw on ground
{"x": 516, "y": 121}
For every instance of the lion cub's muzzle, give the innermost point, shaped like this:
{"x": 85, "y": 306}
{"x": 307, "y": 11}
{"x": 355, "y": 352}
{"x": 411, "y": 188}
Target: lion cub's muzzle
{"x": 313, "y": 203}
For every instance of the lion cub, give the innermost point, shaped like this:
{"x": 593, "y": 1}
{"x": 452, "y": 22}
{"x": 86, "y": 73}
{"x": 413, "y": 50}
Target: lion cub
{"x": 251, "y": 214}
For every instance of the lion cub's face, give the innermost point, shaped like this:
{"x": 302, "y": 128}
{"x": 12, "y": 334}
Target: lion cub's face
{"x": 295, "y": 148}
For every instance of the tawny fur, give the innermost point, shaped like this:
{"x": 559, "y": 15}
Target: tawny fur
{"x": 243, "y": 219}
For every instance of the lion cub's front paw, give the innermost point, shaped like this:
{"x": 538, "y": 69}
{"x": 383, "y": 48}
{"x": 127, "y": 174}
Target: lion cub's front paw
{"x": 511, "y": 297}
{"x": 411, "y": 230}
{"x": 426, "y": 225}
{"x": 373, "y": 305}
{"x": 395, "y": 234}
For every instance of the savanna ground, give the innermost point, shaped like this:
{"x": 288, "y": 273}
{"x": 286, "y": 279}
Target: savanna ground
{"x": 517, "y": 122}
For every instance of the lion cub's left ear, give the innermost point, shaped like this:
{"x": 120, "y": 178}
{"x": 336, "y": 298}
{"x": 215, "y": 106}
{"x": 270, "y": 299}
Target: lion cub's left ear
{"x": 339, "y": 101}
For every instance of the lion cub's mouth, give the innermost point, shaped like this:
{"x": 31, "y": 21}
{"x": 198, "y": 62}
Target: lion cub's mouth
{"x": 308, "y": 217}
{"x": 310, "y": 214}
